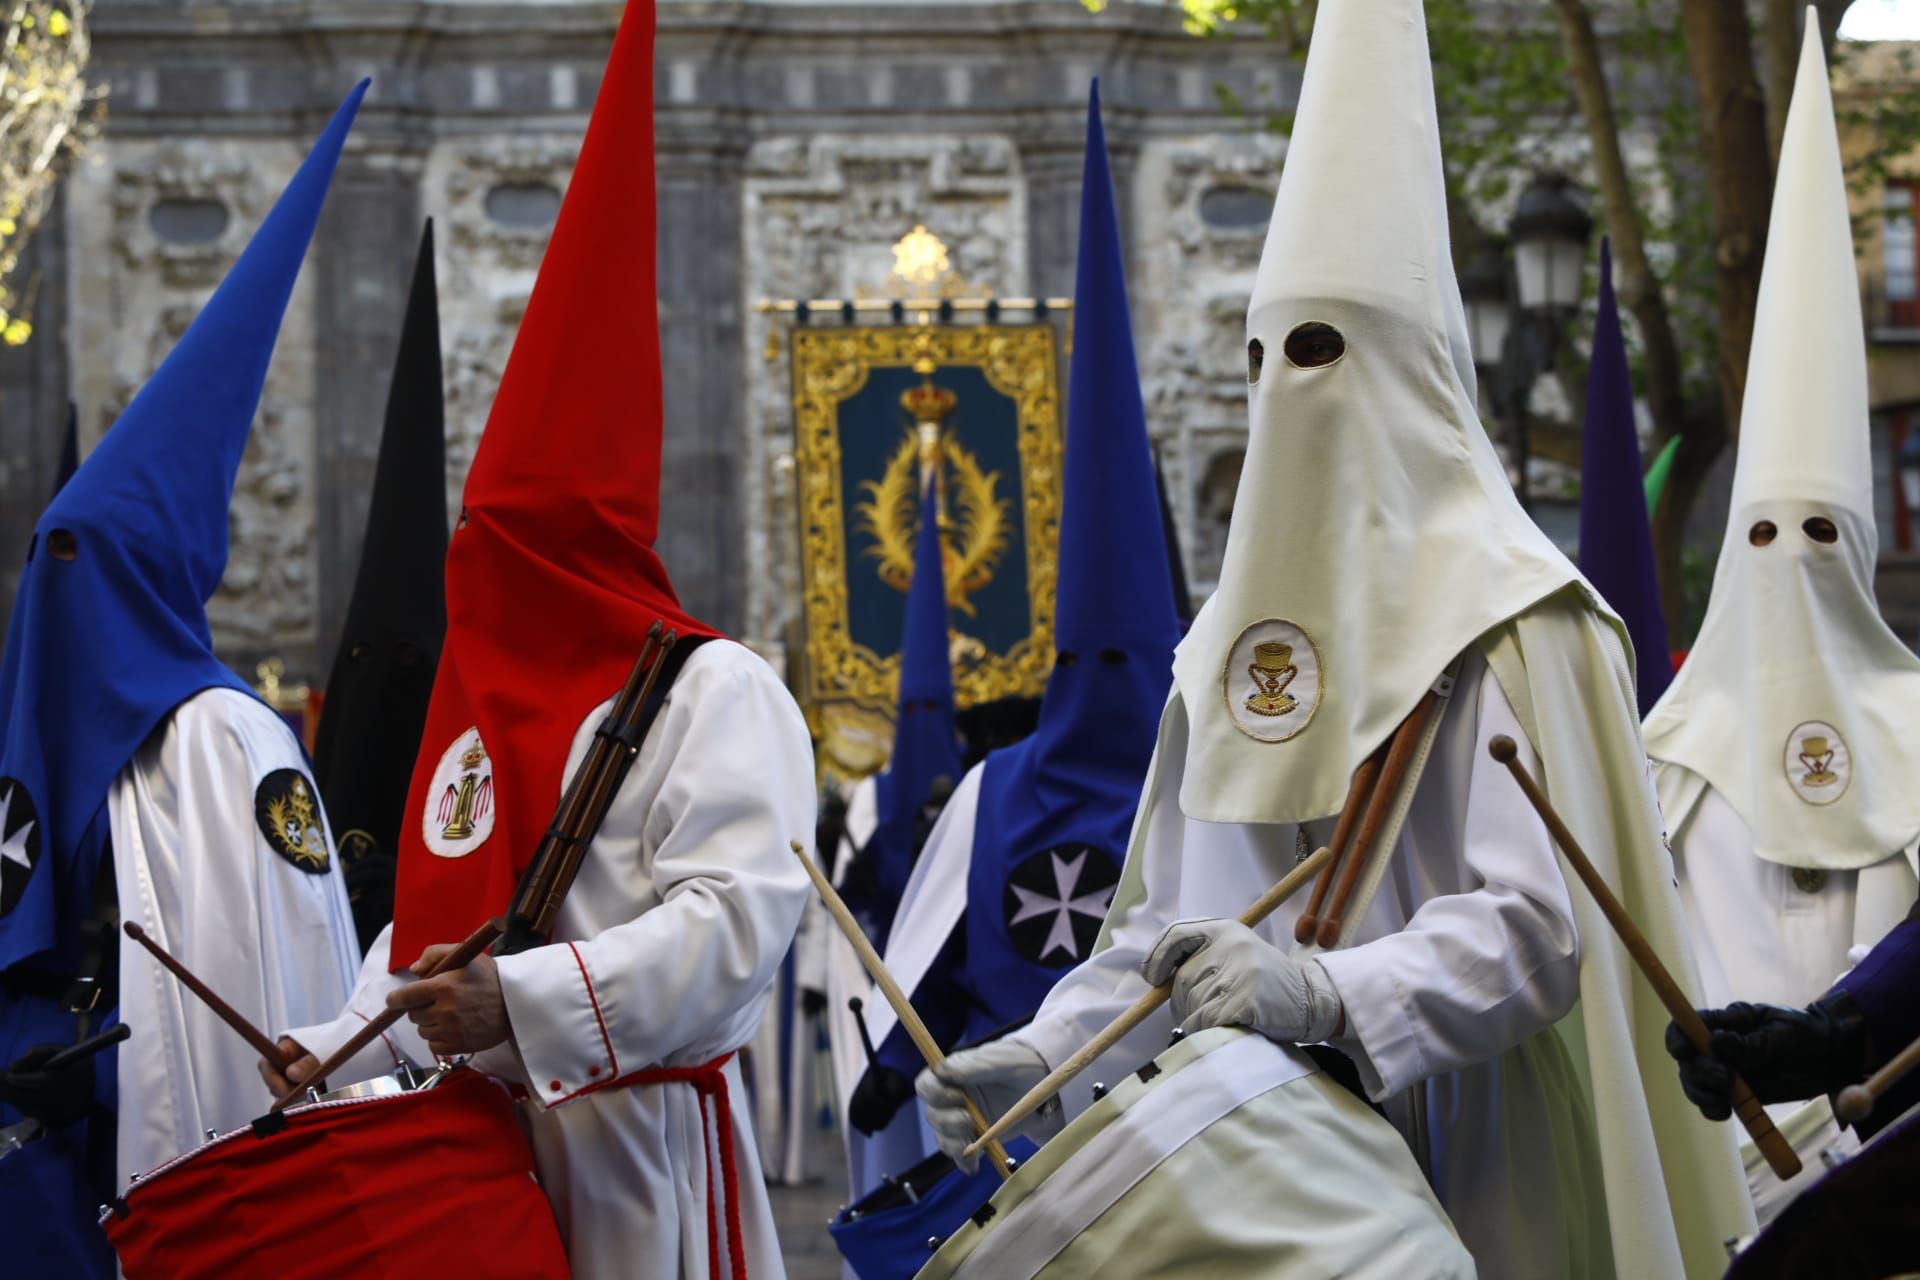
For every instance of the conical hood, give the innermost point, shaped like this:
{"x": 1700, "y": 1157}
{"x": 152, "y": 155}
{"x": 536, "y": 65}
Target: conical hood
{"x": 1616, "y": 542}
{"x": 382, "y": 674}
{"x": 109, "y": 629}
{"x": 1797, "y": 703}
{"x": 1374, "y": 532}
{"x": 926, "y": 746}
{"x": 1076, "y": 779}
{"x": 552, "y": 578}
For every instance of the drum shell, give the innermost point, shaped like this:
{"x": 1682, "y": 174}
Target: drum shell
{"x": 434, "y": 1181}
{"x": 1229, "y": 1155}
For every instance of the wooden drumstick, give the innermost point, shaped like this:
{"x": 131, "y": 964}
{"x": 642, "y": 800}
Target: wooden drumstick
{"x": 1308, "y": 925}
{"x": 276, "y": 1057}
{"x": 1779, "y": 1153}
{"x": 1142, "y": 1008}
{"x": 459, "y": 958}
{"x": 916, "y": 1029}
{"x": 1405, "y": 744}
{"x": 1855, "y": 1102}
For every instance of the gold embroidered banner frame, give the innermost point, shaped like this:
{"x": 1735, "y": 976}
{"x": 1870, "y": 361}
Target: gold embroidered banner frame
{"x": 856, "y": 393}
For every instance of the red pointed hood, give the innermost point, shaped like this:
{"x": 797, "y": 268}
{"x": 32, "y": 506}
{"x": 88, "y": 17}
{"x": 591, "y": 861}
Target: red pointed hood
{"x": 552, "y": 579}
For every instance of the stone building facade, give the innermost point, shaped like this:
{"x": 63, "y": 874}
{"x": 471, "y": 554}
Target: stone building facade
{"x": 796, "y": 142}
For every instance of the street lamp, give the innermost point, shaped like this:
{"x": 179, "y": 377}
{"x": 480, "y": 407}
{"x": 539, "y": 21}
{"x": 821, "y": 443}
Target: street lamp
{"x": 1550, "y": 228}
{"x": 1549, "y": 231}
{"x": 1486, "y": 287}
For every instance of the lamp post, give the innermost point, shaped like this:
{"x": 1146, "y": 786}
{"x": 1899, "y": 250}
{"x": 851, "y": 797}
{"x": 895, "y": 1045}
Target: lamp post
{"x": 1549, "y": 232}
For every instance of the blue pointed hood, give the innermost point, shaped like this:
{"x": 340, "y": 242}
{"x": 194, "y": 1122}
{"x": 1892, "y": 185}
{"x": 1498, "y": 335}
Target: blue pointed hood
{"x": 1616, "y": 542}
{"x": 109, "y": 630}
{"x": 925, "y": 744}
{"x": 1055, "y": 809}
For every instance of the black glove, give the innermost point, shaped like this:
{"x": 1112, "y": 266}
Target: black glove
{"x": 55, "y": 1098}
{"x": 1783, "y": 1054}
{"x": 812, "y": 1003}
{"x": 878, "y": 1097}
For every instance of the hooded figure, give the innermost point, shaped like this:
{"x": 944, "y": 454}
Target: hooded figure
{"x": 1616, "y": 542}
{"x": 1785, "y": 752}
{"x": 926, "y": 748}
{"x": 1016, "y": 878}
{"x": 383, "y": 671}
{"x": 1377, "y": 552}
{"x": 622, "y": 1029}
{"x": 131, "y": 757}
{"x": 890, "y": 810}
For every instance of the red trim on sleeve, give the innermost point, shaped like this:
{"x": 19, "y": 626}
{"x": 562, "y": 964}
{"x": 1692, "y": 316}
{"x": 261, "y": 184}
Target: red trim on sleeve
{"x": 613, "y": 1063}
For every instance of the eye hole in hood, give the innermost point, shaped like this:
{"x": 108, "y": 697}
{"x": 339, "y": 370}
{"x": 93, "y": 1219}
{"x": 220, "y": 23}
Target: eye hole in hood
{"x": 1820, "y": 529}
{"x": 1762, "y": 533}
{"x": 1256, "y": 356}
{"x": 1314, "y": 345}
{"x": 62, "y": 545}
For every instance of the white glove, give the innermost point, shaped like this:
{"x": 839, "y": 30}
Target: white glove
{"x": 1225, "y": 975}
{"x": 997, "y": 1074}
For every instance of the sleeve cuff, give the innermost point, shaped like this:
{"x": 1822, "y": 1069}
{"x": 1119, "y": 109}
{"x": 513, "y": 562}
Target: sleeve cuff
{"x": 559, "y": 1025}
{"x": 1054, "y": 1039}
{"x": 1380, "y": 1035}
{"x": 379, "y": 1058}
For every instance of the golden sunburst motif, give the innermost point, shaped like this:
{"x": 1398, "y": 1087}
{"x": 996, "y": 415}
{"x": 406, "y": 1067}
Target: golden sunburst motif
{"x": 975, "y": 530}
{"x": 284, "y": 806}
{"x": 919, "y": 258}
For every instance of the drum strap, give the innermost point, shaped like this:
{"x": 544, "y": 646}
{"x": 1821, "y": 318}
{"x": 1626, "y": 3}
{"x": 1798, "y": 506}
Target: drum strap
{"x": 709, "y": 1080}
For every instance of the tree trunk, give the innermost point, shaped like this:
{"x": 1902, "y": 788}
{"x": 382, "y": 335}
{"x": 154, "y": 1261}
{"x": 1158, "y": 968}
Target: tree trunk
{"x": 1783, "y": 59}
{"x": 1640, "y": 290}
{"x": 1739, "y": 172}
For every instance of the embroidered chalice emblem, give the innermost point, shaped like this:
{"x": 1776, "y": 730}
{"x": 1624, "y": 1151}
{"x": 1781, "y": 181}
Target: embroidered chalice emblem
{"x": 1817, "y": 761}
{"x": 1272, "y": 670}
{"x": 1816, "y": 753}
{"x": 458, "y": 803}
{"x": 459, "y": 810}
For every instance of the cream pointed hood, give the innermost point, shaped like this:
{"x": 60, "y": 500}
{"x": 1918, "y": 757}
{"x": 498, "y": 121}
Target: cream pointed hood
{"x": 1374, "y": 534}
{"x": 1797, "y": 703}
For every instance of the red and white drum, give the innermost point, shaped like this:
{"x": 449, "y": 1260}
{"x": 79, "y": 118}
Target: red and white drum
{"x": 438, "y": 1180}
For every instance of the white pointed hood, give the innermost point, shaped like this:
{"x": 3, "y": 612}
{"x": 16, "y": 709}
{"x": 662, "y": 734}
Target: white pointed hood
{"x": 1375, "y": 535}
{"x": 1797, "y": 703}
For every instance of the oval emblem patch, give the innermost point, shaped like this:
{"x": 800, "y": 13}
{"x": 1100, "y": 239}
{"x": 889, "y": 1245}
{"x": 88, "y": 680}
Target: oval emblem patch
{"x": 1818, "y": 764}
{"x": 1272, "y": 680}
{"x": 19, "y": 841}
{"x": 459, "y": 809}
{"x": 283, "y": 806}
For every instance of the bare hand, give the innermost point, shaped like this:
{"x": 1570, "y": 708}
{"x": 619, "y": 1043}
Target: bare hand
{"x": 298, "y": 1074}
{"x": 458, "y": 1012}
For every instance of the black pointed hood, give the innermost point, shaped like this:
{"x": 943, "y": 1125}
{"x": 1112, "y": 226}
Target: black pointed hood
{"x": 376, "y": 695}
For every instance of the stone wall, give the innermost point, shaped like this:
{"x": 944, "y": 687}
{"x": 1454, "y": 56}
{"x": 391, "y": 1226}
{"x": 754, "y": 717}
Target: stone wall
{"x": 796, "y": 142}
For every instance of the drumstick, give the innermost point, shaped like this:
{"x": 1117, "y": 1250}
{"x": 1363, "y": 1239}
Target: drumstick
{"x": 1856, "y": 1100}
{"x": 1400, "y": 753}
{"x": 1308, "y": 925}
{"x": 1779, "y": 1153}
{"x": 459, "y": 958}
{"x": 87, "y": 1048}
{"x": 276, "y": 1057}
{"x": 916, "y": 1029}
{"x": 1142, "y": 1008}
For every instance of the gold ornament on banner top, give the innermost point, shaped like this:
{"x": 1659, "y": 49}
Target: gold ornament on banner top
{"x": 925, "y": 378}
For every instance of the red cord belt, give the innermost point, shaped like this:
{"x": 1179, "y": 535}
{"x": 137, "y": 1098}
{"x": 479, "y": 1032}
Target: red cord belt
{"x": 709, "y": 1080}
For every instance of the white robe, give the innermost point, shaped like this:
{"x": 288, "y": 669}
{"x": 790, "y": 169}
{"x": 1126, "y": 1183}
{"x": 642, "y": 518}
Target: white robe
{"x": 664, "y": 954}
{"x": 1468, "y": 949}
{"x": 193, "y": 868}
{"x": 1760, "y": 937}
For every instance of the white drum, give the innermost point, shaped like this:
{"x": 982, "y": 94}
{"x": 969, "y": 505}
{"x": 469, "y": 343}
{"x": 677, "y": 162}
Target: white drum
{"x": 1814, "y": 1132}
{"x": 1228, "y": 1155}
